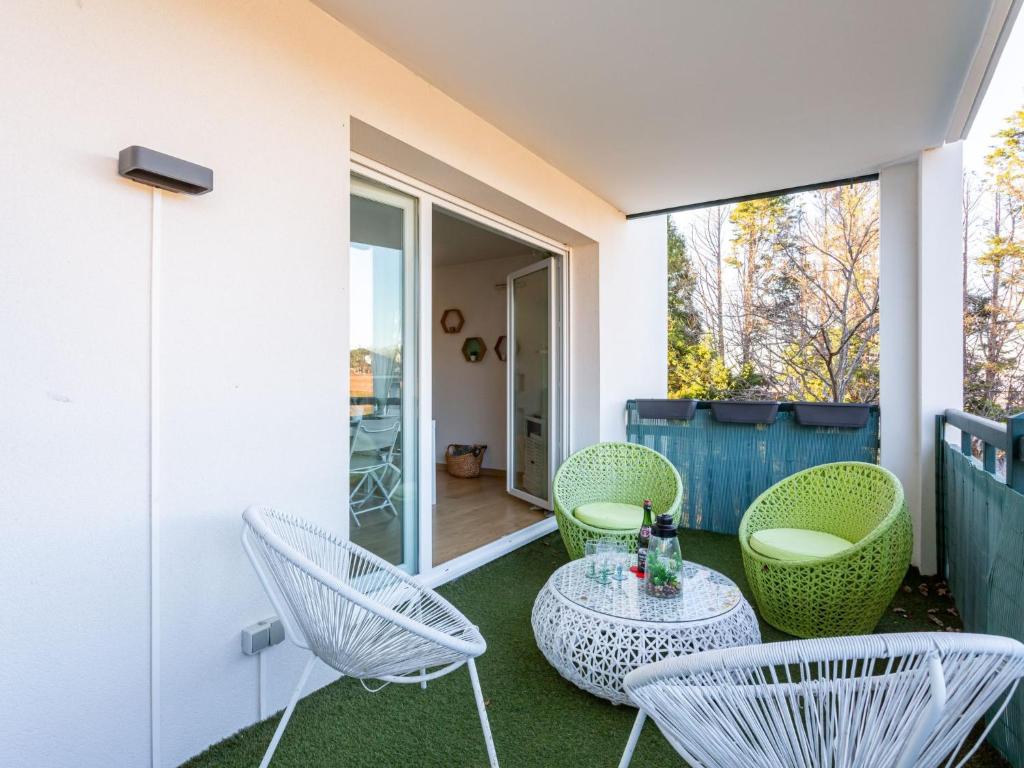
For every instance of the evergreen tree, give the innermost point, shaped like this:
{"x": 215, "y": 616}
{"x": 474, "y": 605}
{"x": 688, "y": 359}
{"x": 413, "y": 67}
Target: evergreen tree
{"x": 994, "y": 298}
{"x": 683, "y": 320}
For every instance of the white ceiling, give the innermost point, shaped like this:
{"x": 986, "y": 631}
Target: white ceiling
{"x": 457, "y": 241}
{"x": 655, "y": 103}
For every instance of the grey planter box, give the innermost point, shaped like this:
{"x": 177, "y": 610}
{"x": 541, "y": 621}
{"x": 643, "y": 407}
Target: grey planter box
{"x": 674, "y": 410}
{"x": 843, "y": 415}
{"x": 735, "y": 412}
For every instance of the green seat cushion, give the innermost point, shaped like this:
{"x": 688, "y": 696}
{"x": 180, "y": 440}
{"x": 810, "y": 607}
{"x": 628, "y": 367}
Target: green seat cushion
{"x": 610, "y": 515}
{"x": 796, "y": 543}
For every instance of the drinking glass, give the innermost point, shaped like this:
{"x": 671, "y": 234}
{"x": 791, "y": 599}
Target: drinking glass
{"x": 590, "y": 557}
{"x": 611, "y": 555}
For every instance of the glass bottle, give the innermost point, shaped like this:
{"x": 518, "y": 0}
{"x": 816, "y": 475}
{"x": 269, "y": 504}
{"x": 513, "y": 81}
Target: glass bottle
{"x": 663, "y": 576}
{"x": 643, "y": 538}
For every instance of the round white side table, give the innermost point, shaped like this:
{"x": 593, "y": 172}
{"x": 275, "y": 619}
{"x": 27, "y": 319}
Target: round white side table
{"x": 595, "y": 634}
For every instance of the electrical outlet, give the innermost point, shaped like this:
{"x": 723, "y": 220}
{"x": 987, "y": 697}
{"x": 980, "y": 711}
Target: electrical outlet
{"x": 255, "y": 638}
{"x": 276, "y": 631}
{"x": 262, "y": 634}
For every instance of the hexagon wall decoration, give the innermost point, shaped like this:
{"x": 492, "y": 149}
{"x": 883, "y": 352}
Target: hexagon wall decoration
{"x": 452, "y": 321}
{"x": 499, "y": 349}
{"x": 474, "y": 349}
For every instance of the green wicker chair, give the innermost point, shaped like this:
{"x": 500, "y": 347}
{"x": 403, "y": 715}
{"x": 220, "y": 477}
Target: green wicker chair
{"x": 615, "y": 472}
{"x": 846, "y": 593}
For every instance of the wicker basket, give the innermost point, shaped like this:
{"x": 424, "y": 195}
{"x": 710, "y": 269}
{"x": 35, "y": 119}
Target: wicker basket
{"x": 464, "y": 460}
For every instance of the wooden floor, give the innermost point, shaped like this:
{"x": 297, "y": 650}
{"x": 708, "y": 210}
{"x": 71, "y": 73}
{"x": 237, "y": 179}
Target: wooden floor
{"x": 469, "y": 513}
{"x": 473, "y": 512}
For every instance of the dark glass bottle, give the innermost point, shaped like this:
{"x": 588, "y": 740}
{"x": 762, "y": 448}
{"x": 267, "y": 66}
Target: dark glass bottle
{"x": 643, "y": 540}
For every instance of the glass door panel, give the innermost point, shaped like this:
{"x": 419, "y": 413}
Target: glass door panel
{"x": 382, "y": 373}
{"x": 532, "y": 382}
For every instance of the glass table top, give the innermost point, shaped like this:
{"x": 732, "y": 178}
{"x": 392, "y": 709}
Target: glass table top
{"x": 705, "y": 594}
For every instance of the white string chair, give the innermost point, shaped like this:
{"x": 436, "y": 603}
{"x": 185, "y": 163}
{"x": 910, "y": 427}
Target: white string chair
{"x": 876, "y": 701}
{"x": 356, "y": 612}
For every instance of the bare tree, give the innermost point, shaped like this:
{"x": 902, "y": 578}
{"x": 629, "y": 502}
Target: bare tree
{"x": 760, "y": 232}
{"x": 708, "y": 247}
{"x": 825, "y": 343}
{"x": 972, "y": 191}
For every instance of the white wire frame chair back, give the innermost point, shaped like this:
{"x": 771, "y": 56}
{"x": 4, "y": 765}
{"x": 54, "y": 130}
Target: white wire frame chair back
{"x": 877, "y": 701}
{"x": 377, "y": 436}
{"x": 354, "y": 610}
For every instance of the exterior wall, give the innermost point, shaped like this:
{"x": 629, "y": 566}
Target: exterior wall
{"x": 940, "y": 317}
{"x": 585, "y": 346}
{"x": 898, "y": 358}
{"x": 253, "y": 334}
{"x": 469, "y": 400}
{"x": 921, "y": 324}
{"x": 634, "y": 323}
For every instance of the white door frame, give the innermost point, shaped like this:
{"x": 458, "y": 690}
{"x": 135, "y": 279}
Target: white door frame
{"x": 551, "y": 427}
{"x": 428, "y": 197}
{"x": 411, "y": 420}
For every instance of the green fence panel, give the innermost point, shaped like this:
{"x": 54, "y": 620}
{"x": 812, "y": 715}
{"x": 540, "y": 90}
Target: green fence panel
{"x": 983, "y": 523}
{"x": 725, "y": 467}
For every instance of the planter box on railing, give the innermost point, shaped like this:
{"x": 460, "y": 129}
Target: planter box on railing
{"x": 744, "y": 412}
{"x": 841, "y": 415}
{"x": 725, "y": 465}
{"x": 674, "y": 410}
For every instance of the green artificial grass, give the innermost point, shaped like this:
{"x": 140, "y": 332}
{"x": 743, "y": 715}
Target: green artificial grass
{"x": 537, "y": 717}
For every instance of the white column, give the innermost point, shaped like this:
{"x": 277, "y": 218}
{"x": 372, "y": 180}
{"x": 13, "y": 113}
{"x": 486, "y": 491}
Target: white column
{"x": 898, "y": 326}
{"x": 921, "y": 361}
{"x": 633, "y": 303}
{"x": 940, "y": 316}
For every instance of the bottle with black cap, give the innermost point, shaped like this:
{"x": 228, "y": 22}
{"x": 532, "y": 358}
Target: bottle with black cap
{"x": 663, "y": 575}
{"x": 643, "y": 538}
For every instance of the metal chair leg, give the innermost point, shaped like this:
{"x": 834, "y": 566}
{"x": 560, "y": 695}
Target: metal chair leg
{"x": 492, "y": 756}
{"x": 634, "y": 737}
{"x": 288, "y": 712}
{"x": 386, "y": 496}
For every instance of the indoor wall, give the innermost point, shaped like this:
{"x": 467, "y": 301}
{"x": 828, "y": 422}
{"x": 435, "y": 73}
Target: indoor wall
{"x": 470, "y": 398}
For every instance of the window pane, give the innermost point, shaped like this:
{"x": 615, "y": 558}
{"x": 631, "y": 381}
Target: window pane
{"x": 382, "y": 419}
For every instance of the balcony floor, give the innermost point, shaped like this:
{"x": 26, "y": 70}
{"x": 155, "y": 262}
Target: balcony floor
{"x": 538, "y": 718}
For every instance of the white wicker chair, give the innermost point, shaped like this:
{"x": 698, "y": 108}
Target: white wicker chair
{"x": 356, "y": 612}
{"x": 876, "y": 701}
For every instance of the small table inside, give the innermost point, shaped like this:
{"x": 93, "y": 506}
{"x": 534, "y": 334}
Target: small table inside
{"x": 595, "y": 634}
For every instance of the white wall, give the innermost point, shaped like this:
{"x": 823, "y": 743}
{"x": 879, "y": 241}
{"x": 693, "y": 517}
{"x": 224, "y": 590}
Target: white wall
{"x": 940, "y": 317}
{"x": 898, "y": 342}
{"x": 585, "y": 347}
{"x": 921, "y": 318}
{"x": 469, "y": 398}
{"x": 634, "y": 323}
{"x": 254, "y": 334}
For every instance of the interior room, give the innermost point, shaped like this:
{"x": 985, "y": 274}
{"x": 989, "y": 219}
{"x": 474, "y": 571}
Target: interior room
{"x": 484, "y": 485}
{"x": 471, "y": 267}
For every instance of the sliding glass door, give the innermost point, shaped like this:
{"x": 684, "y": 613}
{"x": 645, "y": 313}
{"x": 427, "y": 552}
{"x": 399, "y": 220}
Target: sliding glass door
{"x": 533, "y": 381}
{"x": 382, "y": 373}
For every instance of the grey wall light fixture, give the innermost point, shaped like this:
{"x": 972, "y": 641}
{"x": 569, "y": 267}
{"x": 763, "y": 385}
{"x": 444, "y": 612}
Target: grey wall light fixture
{"x": 147, "y": 166}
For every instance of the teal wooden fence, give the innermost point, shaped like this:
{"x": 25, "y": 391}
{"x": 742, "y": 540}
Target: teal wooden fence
{"x": 725, "y": 467}
{"x": 981, "y": 538}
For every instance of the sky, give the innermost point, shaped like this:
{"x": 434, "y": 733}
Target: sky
{"x": 1005, "y": 94}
